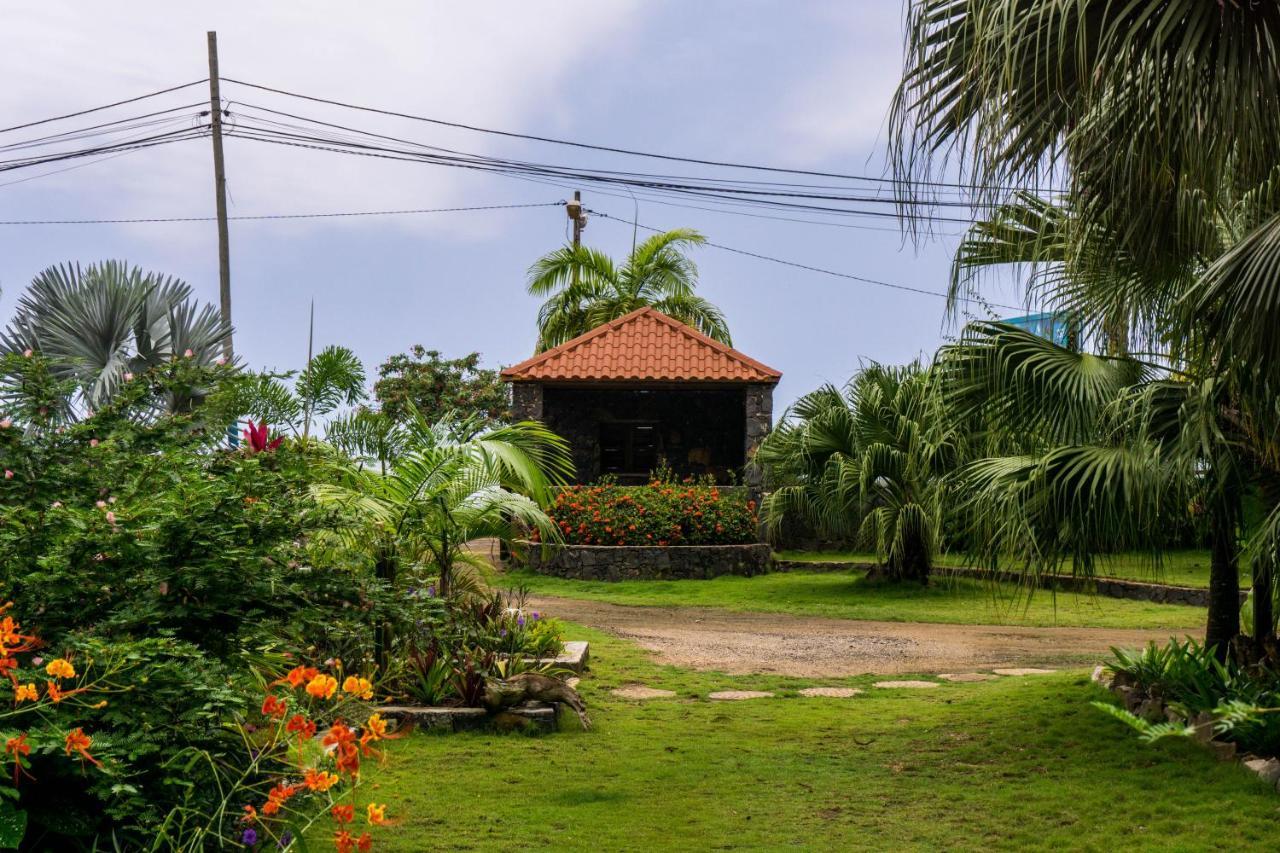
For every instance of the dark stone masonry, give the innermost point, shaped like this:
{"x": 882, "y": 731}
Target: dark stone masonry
{"x": 675, "y": 562}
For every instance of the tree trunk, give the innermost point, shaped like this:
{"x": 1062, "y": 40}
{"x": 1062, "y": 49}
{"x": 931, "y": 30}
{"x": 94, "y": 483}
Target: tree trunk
{"x": 1224, "y": 583}
{"x": 384, "y": 569}
{"x": 1264, "y": 617}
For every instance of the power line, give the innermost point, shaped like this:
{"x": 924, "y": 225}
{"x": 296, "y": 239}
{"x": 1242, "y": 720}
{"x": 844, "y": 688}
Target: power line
{"x": 611, "y": 149}
{"x": 808, "y": 267}
{"x": 266, "y": 216}
{"x": 105, "y": 106}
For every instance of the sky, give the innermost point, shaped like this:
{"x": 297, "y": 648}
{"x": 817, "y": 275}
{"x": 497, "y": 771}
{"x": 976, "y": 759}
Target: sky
{"x": 794, "y": 84}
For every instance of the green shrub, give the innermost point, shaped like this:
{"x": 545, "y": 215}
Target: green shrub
{"x": 661, "y": 513}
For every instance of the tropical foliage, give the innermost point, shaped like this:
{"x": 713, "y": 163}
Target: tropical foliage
{"x": 436, "y": 387}
{"x": 584, "y": 288}
{"x": 100, "y": 325}
{"x": 867, "y": 465}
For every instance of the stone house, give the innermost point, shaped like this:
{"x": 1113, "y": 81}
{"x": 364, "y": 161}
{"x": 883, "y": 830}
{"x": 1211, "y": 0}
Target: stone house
{"x": 644, "y": 390}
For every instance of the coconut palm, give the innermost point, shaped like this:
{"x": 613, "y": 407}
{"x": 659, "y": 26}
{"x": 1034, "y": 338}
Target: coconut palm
{"x": 865, "y": 465}
{"x": 584, "y": 288}
{"x": 451, "y": 483}
{"x": 101, "y": 322}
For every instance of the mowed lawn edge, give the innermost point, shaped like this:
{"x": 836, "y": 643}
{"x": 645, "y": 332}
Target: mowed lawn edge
{"x": 1018, "y": 763}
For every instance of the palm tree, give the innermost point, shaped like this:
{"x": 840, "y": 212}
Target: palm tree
{"x": 866, "y": 465}
{"x": 99, "y": 323}
{"x": 585, "y": 289}
{"x": 451, "y": 483}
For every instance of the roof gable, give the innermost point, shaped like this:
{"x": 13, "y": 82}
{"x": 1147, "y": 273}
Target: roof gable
{"x": 645, "y": 345}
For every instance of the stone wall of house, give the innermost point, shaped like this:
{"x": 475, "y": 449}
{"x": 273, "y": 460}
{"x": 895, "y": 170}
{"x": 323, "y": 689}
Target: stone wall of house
{"x": 526, "y": 401}
{"x": 619, "y": 563}
{"x": 759, "y": 420}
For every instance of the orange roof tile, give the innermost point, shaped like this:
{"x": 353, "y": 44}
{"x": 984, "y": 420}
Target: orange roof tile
{"x": 643, "y": 345}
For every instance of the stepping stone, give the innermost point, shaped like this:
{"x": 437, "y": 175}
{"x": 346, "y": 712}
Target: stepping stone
{"x": 639, "y": 691}
{"x": 831, "y": 692}
{"x": 911, "y": 685}
{"x": 735, "y": 695}
{"x": 966, "y": 677}
{"x": 1023, "y": 670}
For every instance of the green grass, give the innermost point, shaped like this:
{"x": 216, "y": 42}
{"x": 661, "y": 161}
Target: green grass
{"x": 1180, "y": 568}
{"x": 848, "y": 595}
{"x": 1013, "y": 764}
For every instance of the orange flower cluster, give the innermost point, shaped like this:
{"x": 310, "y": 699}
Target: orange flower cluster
{"x": 657, "y": 514}
{"x": 344, "y": 745}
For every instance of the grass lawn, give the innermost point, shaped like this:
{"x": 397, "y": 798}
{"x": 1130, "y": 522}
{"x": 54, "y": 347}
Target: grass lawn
{"x": 848, "y": 595}
{"x": 1013, "y": 764}
{"x": 1181, "y": 568}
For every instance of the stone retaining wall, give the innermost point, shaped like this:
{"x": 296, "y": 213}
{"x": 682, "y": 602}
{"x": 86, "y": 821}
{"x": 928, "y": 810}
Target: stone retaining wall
{"x": 643, "y": 562}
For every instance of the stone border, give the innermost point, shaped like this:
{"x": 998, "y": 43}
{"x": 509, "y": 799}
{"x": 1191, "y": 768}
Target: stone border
{"x": 574, "y": 657}
{"x": 649, "y": 562}
{"x": 536, "y": 716}
{"x": 1136, "y": 702}
{"x": 1157, "y": 593}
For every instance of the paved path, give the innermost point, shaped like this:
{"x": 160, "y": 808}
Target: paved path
{"x": 812, "y": 647}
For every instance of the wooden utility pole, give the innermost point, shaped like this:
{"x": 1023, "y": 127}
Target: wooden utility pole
{"x": 574, "y": 209}
{"x": 220, "y": 192}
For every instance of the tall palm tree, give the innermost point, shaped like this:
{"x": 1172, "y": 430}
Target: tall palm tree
{"x": 449, "y": 484}
{"x": 866, "y": 465}
{"x": 99, "y": 323}
{"x": 584, "y": 288}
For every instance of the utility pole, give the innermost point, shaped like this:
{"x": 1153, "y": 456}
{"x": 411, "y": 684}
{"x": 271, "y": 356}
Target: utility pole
{"x": 574, "y": 209}
{"x": 220, "y": 193}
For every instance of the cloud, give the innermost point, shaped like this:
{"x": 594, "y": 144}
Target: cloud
{"x": 491, "y": 64}
{"x": 840, "y": 109}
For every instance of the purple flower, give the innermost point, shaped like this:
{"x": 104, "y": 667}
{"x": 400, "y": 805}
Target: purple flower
{"x": 504, "y": 633}
{"x": 285, "y": 839}
{"x": 249, "y": 838}
{"x": 431, "y": 591}
{"x": 519, "y": 621}
{"x": 536, "y": 616}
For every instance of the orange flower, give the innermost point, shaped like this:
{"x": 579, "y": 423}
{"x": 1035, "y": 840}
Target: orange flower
{"x": 278, "y": 796}
{"x": 322, "y": 686}
{"x": 79, "y": 742}
{"x": 377, "y": 814}
{"x": 298, "y": 676}
{"x": 306, "y": 729}
{"x": 55, "y": 692}
{"x": 25, "y": 693}
{"x": 361, "y": 687}
{"x": 60, "y": 668}
{"x": 375, "y": 727}
{"x": 18, "y": 748}
{"x": 319, "y": 780}
{"x": 250, "y": 814}
{"x": 343, "y": 813}
{"x": 343, "y": 842}
{"x": 274, "y": 707}
{"x": 364, "y": 843}
{"x": 347, "y": 759}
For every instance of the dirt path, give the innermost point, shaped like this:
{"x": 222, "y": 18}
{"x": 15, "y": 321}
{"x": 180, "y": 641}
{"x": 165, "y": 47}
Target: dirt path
{"x": 812, "y": 647}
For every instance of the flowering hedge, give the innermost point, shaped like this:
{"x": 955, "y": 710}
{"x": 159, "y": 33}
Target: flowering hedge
{"x": 661, "y": 513}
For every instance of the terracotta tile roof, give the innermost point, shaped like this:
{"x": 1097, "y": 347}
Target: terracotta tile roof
{"x": 643, "y": 345}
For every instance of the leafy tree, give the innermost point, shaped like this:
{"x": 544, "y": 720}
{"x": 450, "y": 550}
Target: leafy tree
{"x": 584, "y": 288}
{"x": 438, "y": 387}
{"x": 867, "y": 465}
{"x": 333, "y": 378}
{"x": 100, "y": 324}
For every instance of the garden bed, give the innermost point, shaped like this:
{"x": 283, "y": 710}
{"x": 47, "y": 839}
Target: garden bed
{"x": 648, "y": 562}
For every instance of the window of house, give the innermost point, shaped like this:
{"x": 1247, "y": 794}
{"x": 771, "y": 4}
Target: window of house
{"x": 629, "y": 451}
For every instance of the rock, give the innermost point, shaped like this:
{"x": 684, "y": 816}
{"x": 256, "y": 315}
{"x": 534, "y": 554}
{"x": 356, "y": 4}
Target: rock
{"x": 1268, "y": 769}
{"x": 735, "y": 695}
{"x": 910, "y": 685}
{"x": 1203, "y": 724}
{"x": 639, "y": 691}
{"x": 1099, "y": 675}
{"x": 966, "y": 677}
{"x": 1150, "y": 709}
{"x": 831, "y": 692}
{"x": 573, "y": 682}
{"x": 1223, "y": 750}
{"x": 1023, "y": 670}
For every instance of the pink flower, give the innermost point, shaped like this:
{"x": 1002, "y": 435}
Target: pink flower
{"x": 100, "y": 504}
{"x": 37, "y": 660}
{"x": 111, "y": 518}
{"x": 93, "y": 442}
{"x": 8, "y": 475}
{"x": 6, "y": 423}
{"x": 111, "y": 499}
{"x": 220, "y": 360}
{"x": 187, "y": 353}
{"x": 56, "y": 505}
{"x": 128, "y": 377}
{"x": 27, "y": 353}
